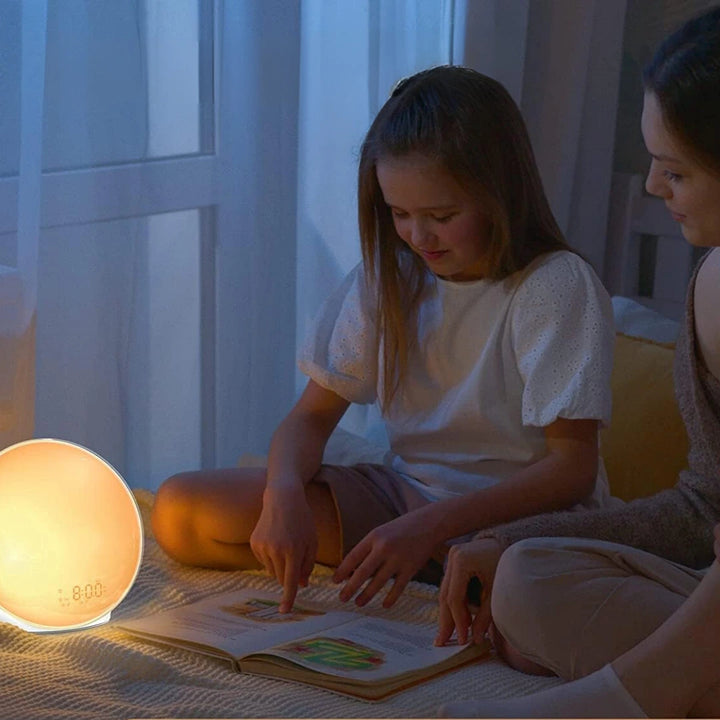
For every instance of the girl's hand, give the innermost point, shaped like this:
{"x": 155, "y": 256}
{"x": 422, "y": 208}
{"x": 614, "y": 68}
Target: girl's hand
{"x": 285, "y": 540}
{"x": 398, "y": 549}
{"x": 475, "y": 559}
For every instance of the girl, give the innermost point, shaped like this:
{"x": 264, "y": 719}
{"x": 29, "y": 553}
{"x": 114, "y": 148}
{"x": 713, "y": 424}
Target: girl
{"x": 486, "y": 342}
{"x": 640, "y": 625}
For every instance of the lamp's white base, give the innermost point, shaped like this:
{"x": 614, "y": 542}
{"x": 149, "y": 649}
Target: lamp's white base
{"x": 29, "y": 627}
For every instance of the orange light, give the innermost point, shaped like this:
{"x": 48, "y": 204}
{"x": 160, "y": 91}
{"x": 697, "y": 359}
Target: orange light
{"x": 71, "y": 537}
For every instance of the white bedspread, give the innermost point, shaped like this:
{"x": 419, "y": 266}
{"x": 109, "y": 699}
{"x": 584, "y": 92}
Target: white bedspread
{"x": 104, "y": 673}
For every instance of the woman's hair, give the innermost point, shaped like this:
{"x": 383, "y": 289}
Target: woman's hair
{"x": 471, "y": 126}
{"x": 684, "y": 76}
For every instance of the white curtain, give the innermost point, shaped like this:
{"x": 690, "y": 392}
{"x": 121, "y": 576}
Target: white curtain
{"x": 149, "y": 218}
{"x": 99, "y": 275}
{"x": 560, "y": 59}
{"x": 22, "y": 35}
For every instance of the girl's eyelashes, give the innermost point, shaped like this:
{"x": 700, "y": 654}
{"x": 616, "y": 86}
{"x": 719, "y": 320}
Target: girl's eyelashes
{"x": 671, "y": 176}
{"x": 401, "y": 215}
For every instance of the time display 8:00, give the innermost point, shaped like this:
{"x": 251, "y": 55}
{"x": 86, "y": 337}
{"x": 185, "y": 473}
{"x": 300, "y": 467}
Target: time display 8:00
{"x": 87, "y": 591}
{"x": 82, "y": 593}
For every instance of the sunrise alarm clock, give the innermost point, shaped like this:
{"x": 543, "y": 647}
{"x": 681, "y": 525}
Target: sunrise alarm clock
{"x": 71, "y": 537}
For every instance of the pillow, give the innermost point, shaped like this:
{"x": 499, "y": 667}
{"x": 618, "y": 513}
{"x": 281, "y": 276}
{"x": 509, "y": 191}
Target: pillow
{"x": 645, "y": 446}
{"x": 634, "y": 318}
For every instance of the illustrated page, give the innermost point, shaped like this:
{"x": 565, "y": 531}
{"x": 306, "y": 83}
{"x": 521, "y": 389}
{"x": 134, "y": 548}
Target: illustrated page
{"x": 367, "y": 648}
{"x": 238, "y": 622}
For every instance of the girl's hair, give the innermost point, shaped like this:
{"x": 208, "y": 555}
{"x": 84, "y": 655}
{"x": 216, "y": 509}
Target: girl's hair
{"x": 684, "y": 76}
{"x": 471, "y": 126}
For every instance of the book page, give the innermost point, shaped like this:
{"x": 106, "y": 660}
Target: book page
{"x": 237, "y": 622}
{"x": 367, "y": 649}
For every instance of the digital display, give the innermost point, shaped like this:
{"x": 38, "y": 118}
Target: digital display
{"x": 81, "y": 594}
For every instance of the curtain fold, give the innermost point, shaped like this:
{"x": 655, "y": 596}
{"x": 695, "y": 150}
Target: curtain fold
{"x": 560, "y": 59}
{"x": 155, "y": 202}
{"x": 18, "y": 284}
{"x": 104, "y": 266}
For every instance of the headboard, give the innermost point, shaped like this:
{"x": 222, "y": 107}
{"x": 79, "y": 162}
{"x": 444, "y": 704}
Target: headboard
{"x": 646, "y": 256}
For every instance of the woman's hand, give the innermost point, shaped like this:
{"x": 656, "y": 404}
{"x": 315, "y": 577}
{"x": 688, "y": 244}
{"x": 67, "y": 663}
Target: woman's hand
{"x": 398, "y": 549}
{"x": 475, "y": 559}
{"x": 285, "y": 539}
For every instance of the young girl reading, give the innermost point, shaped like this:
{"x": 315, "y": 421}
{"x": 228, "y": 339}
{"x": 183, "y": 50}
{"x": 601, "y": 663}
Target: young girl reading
{"x": 628, "y": 599}
{"x": 486, "y": 342}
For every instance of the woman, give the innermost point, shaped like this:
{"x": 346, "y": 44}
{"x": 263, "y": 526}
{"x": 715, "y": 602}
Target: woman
{"x": 623, "y": 598}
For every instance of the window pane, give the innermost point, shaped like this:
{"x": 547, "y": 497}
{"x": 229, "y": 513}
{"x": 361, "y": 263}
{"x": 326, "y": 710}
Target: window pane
{"x": 127, "y": 81}
{"x": 118, "y": 342}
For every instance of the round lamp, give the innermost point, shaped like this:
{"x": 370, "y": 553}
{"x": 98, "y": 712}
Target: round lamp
{"x": 71, "y": 536}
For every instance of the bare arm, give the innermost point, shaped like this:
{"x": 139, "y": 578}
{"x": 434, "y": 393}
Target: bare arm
{"x": 707, "y": 319}
{"x": 565, "y": 476}
{"x": 561, "y": 479}
{"x": 285, "y": 539}
{"x": 297, "y": 446}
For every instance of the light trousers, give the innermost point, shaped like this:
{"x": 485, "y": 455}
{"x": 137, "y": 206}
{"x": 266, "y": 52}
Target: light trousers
{"x": 573, "y": 605}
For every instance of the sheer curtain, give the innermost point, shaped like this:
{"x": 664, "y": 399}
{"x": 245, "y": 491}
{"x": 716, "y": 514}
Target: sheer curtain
{"x": 93, "y": 262}
{"x": 18, "y": 250}
{"x": 148, "y": 220}
{"x": 561, "y": 60}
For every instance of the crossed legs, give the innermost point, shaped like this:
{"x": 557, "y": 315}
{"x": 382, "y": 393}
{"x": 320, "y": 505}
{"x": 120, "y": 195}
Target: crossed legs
{"x": 641, "y": 634}
{"x": 205, "y": 518}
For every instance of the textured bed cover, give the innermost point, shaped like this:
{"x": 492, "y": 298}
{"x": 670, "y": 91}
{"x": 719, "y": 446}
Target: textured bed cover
{"x": 104, "y": 673}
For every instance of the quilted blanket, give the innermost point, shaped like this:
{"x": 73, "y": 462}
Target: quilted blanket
{"x": 103, "y": 672}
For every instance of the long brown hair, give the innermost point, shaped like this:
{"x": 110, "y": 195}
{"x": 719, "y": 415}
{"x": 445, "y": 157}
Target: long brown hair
{"x": 471, "y": 126}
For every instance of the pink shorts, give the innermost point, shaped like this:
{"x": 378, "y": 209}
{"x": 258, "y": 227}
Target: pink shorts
{"x": 368, "y": 495}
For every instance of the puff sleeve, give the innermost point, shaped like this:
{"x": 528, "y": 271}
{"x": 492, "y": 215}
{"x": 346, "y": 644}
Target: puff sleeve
{"x": 563, "y": 337}
{"x": 341, "y": 350}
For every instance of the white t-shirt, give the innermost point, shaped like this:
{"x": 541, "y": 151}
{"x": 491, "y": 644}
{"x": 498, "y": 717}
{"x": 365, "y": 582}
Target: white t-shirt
{"x": 496, "y": 362}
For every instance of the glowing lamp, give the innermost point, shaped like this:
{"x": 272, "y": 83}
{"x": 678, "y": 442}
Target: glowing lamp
{"x": 71, "y": 537}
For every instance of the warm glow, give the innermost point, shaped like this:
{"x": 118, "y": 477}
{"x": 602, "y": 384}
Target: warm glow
{"x": 71, "y": 536}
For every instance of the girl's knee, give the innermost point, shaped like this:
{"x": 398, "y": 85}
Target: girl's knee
{"x": 171, "y": 517}
{"x": 206, "y": 517}
{"x": 173, "y": 497}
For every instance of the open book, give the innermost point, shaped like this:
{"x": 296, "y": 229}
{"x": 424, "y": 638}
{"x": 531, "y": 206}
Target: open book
{"x": 353, "y": 653}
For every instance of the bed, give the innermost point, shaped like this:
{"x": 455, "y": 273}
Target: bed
{"x": 104, "y": 673}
